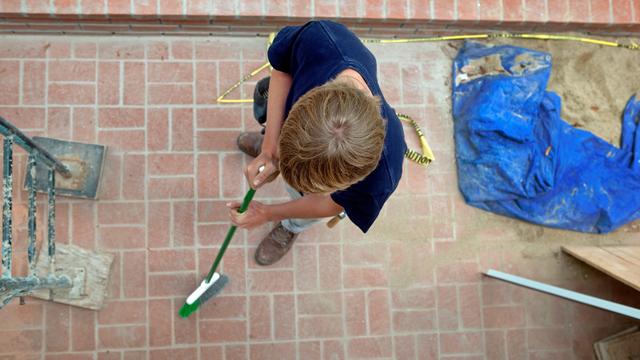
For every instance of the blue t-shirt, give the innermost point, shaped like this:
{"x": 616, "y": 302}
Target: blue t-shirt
{"x": 316, "y": 53}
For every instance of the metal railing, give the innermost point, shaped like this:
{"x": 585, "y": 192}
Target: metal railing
{"x": 11, "y": 287}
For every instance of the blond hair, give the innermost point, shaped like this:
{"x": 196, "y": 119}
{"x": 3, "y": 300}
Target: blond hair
{"x": 332, "y": 138}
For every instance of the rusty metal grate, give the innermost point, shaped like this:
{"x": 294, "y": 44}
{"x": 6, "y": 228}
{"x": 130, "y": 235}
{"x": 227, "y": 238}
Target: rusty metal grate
{"x": 11, "y": 287}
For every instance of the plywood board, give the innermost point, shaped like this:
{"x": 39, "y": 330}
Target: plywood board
{"x": 71, "y": 260}
{"x": 620, "y": 262}
{"x": 624, "y": 346}
{"x": 601, "y": 348}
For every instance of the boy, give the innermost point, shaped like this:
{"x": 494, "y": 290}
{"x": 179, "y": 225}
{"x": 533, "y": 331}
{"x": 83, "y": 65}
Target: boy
{"x": 329, "y": 132}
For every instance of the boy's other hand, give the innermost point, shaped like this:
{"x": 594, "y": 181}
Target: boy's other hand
{"x": 269, "y": 173}
{"x": 256, "y": 214}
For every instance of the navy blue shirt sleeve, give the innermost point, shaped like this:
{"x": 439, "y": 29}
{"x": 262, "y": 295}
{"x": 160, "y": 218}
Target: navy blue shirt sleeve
{"x": 361, "y": 208}
{"x": 364, "y": 200}
{"x": 280, "y": 51}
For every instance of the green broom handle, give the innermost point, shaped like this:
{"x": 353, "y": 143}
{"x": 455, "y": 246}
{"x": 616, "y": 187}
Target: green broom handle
{"x": 245, "y": 204}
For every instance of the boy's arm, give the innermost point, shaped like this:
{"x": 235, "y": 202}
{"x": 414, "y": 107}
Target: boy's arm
{"x": 279, "y": 87}
{"x": 309, "y": 206}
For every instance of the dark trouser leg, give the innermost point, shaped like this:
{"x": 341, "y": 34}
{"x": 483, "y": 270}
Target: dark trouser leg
{"x": 260, "y": 98}
{"x": 250, "y": 142}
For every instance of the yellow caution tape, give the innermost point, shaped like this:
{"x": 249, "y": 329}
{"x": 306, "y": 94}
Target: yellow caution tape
{"x": 429, "y": 39}
{"x": 221, "y": 98}
{"x": 427, "y": 156}
{"x": 631, "y": 46}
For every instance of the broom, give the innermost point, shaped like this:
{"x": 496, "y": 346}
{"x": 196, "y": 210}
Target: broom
{"x": 214, "y": 282}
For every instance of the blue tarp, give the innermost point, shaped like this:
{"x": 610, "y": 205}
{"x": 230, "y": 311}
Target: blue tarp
{"x": 517, "y": 157}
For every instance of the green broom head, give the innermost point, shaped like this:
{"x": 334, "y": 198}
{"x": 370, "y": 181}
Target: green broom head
{"x": 212, "y": 289}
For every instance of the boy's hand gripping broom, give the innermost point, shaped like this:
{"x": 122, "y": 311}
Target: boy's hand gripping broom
{"x": 214, "y": 282}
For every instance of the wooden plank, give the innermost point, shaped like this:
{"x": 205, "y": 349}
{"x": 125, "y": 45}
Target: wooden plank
{"x": 621, "y": 256}
{"x": 620, "y": 265}
{"x": 620, "y": 268}
{"x": 630, "y": 253}
{"x": 626, "y": 258}
{"x": 567, "y": 294}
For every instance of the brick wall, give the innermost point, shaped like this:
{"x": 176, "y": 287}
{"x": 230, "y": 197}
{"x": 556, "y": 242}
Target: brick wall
{"x": 378, "y": 16}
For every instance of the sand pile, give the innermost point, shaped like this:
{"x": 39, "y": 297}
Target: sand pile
{"x": 595, "y": 82}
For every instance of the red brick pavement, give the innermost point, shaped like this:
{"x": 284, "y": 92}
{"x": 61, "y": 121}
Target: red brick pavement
{"x": 410, "y": 289}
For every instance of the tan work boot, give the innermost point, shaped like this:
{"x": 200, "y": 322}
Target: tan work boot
{"x": 250, "y": 143}
{"x": 275, "y": 245}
